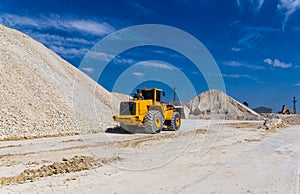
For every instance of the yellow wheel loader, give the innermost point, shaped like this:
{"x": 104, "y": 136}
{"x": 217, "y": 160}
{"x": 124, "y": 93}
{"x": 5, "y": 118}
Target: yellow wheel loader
{"x": 146, "y": 111}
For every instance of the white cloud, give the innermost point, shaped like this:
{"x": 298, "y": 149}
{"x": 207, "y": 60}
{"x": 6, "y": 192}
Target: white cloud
{"x": 12, "y": 20}
{"x": 125, "y": 61}
{"x": 108, "y": 57}
{"x": 277, "y": 63}
{"x": 288, "y": 7}
{"x": 156, "y": 65}
{"x": 298, "y": 84}
{"x": 237, "y": 76}
{"x": 238, "y": 3}
{"x": 236, "y": 49}
{"x": 260, "y": 4}
{"x": 50, "y": 39}
{"x": 89, "y": 26}
{"x": 234, "y": 64}
{"x": 256, "y": 5}
{"x": 268, "y": 61}
{"x": 138, "y": 74}
{"x": 140, "y": 8}
{"x": 69, "y": 47}
{"x": 87, "y": 69}
{"x": 252, "y": 39}
{"x": 69, "y": 52}
{"x": 100, "y": 55}
{"x": 239, "y": 64}
{"x": 57, "y": 22}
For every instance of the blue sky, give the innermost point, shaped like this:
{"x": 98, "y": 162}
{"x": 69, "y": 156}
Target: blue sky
{"x": 254, "y": 42}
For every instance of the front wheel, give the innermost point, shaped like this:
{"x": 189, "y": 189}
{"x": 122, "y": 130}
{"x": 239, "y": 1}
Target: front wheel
{"x": 153, "y": 121}
{"x": 175, "y": 121}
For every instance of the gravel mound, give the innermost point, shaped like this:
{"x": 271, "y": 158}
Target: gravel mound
{"x": 37, "y": 95}
{"x": 293, "y": 119}
{"x": 214, "y": 104}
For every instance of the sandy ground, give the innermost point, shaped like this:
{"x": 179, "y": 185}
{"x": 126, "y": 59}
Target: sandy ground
{"x": 203, "y": 157}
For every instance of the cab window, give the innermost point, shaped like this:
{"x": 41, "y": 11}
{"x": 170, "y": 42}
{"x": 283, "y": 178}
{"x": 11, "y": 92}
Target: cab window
{"x": 158, "y": 96}
{"x": 148, "y": 95}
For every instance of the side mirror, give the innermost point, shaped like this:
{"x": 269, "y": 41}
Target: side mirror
{"x": 164, "y": 94}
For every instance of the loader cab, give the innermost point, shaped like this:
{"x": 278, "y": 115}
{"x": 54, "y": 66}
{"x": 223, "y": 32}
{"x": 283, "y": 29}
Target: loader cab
{"x": 151, "y": 94}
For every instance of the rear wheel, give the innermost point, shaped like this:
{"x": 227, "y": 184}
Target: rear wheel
{"x": 175, "y": 121}
{"x": 153, "y": 121}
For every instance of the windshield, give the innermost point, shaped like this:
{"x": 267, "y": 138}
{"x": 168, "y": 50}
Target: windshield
{"x": 149, "y": 95}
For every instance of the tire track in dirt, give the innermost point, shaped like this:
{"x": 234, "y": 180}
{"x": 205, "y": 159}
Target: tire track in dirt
{"x": 136, "y": 142}
{"x": 10, "y": 146}
{"x": 75, "y": 164}
{"x": 18, "y": 138}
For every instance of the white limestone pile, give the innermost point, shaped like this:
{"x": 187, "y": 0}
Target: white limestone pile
{"x": 41, "y": 94}
{"x": 214, "y": 104}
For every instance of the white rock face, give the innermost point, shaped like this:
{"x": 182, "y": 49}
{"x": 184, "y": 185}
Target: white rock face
{"x": 214, "y": 104}
{"x": 39, "y": 92}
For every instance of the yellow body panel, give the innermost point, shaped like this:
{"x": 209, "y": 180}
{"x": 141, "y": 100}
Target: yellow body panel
{"x": 128, "y": 119}
{"x": 169, "y": 114}
{"x": 142, "y": 107}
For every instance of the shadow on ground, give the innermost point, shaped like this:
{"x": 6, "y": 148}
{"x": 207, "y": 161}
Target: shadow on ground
{"x": 117, "y": 129}
{"x": 129, "y": 130}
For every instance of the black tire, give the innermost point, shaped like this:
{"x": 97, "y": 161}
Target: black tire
{"x": 175, "y": 121}
{"x": 153, "y": 122}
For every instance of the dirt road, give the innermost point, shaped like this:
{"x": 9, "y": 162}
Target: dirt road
{"x": 203, "y": 157}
